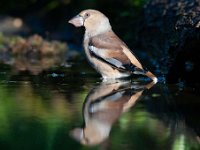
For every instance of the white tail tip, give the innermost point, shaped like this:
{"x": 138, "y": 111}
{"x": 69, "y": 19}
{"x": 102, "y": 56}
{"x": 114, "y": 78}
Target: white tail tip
{"x": 155, "y": 80}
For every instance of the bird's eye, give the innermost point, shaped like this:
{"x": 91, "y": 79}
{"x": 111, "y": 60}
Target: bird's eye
{"x": 87, "y": 15}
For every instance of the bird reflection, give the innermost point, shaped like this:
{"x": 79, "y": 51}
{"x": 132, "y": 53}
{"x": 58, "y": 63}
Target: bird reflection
{"x": 103, "y": 106}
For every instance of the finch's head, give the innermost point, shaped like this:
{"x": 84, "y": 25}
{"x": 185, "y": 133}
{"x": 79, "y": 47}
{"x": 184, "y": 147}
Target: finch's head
{"x": 94, "y": 21}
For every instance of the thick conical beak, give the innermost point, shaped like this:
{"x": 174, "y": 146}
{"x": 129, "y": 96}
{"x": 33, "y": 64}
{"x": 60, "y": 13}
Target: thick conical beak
{"x": 77, "y": 21}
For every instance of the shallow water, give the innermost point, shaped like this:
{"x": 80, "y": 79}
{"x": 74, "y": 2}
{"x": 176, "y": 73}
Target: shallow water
{"x": 69, "y": 107}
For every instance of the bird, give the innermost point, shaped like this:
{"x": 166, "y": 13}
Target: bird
{"x": 105, "y": 51}
{"x": 103, "y": 106}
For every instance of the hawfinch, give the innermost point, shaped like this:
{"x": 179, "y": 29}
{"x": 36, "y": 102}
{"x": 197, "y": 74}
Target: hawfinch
{"x": 106, "y": 52}
{"x": 102, "y": 108}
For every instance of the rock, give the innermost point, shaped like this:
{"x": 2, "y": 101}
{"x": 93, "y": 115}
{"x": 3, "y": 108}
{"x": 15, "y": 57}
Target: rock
{"x": 175, "y": 25}
{"x": 33, "y": 54}
{"x": 34, "y": 44}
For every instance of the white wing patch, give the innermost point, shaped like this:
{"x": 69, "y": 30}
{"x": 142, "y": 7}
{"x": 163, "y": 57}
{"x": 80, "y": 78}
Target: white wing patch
{"x": 115, "y": 62}
{"x": 115, "y": 96}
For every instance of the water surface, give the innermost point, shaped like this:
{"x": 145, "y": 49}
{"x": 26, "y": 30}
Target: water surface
{"x": 68, "y": 107}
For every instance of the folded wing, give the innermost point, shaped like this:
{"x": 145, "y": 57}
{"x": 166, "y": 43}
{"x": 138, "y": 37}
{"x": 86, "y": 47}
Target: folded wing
{"x": 111, "y": 50}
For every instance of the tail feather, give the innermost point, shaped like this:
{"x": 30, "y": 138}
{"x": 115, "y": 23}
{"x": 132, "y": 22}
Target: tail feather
{"x": 136, "y": 67}
{"x": 152, "y": 76}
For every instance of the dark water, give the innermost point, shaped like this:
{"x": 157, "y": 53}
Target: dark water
{"x": 68, "y": 107}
